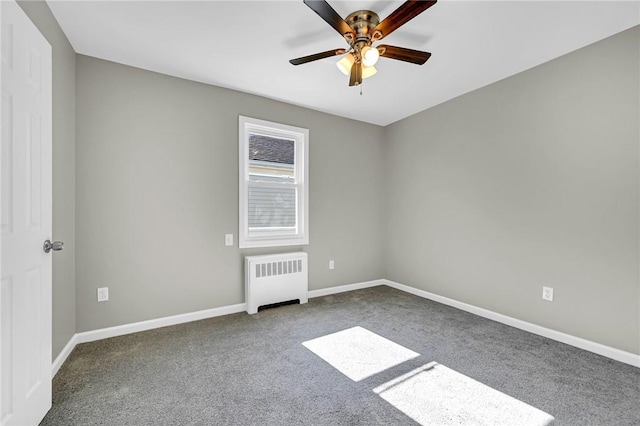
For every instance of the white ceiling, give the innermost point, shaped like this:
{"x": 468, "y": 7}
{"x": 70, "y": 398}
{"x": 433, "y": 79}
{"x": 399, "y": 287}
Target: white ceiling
{"x": 246, "y": 46}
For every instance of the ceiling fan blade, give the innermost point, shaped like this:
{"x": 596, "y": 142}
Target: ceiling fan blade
{"x": 315, "y": 57}
{"x": 403, "y": 54}
{"x": 409, "y": 10}
{"x": 355, "y": 78}
{"x": 326, "y": 12}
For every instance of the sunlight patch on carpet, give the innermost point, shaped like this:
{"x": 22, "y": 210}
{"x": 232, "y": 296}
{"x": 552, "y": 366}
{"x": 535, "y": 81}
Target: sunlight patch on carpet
{"x": 358, "y": 353}
{"x": 434, "y": 394}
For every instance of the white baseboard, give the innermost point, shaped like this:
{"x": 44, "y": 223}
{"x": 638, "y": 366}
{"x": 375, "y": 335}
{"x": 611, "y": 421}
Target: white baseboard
{"x": 600, "y": 349}
{"x": 120, "y": 330}
{"x": 346, "y": 287}
{"x": 64, "y": 354}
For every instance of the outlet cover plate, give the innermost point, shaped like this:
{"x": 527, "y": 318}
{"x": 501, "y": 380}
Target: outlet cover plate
{"x": 547, "y": 293}
{"x": 103, "y": 294}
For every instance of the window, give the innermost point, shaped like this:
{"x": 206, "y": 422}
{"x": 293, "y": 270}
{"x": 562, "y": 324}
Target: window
{"x": 274, "y": 194}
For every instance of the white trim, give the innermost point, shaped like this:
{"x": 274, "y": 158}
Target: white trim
{"x": 300, "y": 137}
{"x": 343, "y": 288}
{"x": 120, "y": 330}
{"x": 63, "y": 355}
{"x": 600, "y": 349}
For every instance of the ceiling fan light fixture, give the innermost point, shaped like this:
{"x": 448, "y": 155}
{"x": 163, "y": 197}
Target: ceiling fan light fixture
{"x": 360, "y": 30}
{"x": 368, "y": 71}
{"x": 345, "y": 64}
{"x": 370, "y": 56}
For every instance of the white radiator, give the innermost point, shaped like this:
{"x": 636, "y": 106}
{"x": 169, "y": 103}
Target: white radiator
{"x": 274, "y": 279}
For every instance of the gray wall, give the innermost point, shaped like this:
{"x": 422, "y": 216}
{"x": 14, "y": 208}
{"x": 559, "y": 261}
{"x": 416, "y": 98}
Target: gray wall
{"x": 530, "y": 182}
{"x": 157, "y": 173}
{"x": 64, "y": 65}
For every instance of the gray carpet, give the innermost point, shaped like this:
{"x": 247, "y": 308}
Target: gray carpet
{"x": 254, "y": 370}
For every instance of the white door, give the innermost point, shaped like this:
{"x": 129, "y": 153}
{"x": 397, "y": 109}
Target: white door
{"x": 25, "y": 220}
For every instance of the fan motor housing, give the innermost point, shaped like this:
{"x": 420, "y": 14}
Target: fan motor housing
{"x": 362, "y": 22}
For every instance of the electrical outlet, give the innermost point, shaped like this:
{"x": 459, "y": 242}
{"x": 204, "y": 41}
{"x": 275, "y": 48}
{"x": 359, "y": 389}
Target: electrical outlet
{"x": 103, "y": 294}
{"x": 228, "y": 239}
{"x": 547, "y": 293}
{"x": 332, "y": 264}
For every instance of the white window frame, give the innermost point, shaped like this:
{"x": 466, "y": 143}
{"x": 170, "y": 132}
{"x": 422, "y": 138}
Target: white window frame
{"x": 300, "y": 136}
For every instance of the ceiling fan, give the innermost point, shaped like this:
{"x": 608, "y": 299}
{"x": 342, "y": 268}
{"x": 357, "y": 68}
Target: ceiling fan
{"x": 360, "y": 30}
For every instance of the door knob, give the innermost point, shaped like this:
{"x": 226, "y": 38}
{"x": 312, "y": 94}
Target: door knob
{"x": 55, "y": 246}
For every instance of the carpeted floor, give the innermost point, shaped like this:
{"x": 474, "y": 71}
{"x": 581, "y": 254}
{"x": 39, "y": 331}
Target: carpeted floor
{"x": 245, "y": 369}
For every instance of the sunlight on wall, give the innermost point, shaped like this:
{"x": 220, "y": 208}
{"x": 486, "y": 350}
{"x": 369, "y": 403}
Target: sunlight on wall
{"x": 358, "y": 353}
{"x": 431, "y": 394}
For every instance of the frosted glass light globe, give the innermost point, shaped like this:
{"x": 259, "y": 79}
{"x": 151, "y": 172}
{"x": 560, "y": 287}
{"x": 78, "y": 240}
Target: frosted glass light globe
{"x": 370, "y": 56}
{"x": 346, "y": 63}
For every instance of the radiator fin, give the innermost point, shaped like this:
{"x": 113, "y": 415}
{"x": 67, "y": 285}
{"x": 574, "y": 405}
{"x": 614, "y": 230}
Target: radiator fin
{"x": 282, "y": 267}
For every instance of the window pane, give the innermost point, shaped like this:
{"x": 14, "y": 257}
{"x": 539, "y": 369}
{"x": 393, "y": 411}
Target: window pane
{"x": 269, "y": 156}
{"x": 271, "y": 160}
{"x": 272, "y": 206}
